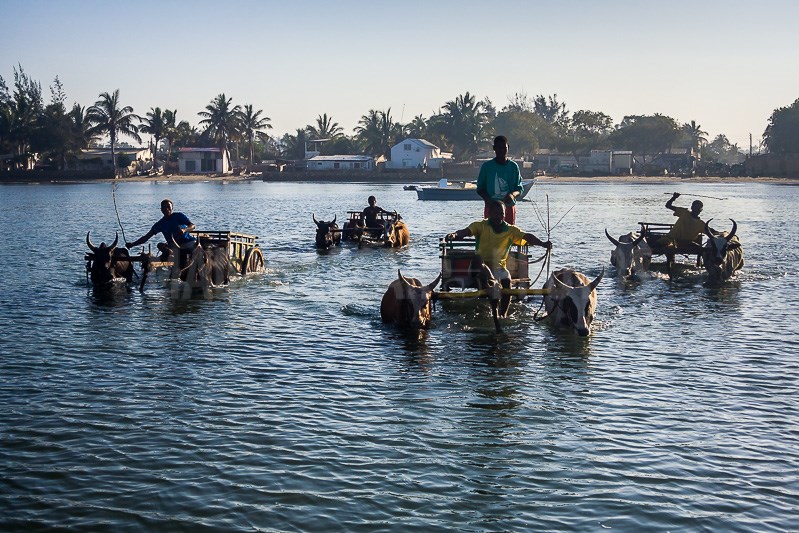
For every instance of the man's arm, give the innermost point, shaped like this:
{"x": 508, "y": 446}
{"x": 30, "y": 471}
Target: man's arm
{"x": 535, "y": 241}
{"x": 482, "y": 183}
{"x": 142, "y": 240}
{"x": 458, "y": 235}
{"x": 671, "y": 201}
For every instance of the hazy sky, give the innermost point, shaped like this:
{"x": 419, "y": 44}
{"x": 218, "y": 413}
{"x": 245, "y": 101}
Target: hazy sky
{"x": 725, "y": 64}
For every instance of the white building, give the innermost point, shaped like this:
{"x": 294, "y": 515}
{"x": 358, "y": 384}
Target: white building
{"x": 341, "y": 162}
{"x": 607, "y": 162}
{"x": 203, "y": 161}
{"x": 101, "y": 157}
{"x": 416, "y": 153}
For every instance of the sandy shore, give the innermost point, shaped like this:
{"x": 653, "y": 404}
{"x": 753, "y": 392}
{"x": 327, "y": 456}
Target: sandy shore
{"x": 188, "y": 178}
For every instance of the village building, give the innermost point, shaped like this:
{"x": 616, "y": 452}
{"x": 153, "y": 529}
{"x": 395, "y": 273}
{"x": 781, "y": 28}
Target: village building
{"x": 340, "y": 162}
{"x": 94, "y": 158}
{"x": 203, "y": 161}
{"x": 415, "y": 154}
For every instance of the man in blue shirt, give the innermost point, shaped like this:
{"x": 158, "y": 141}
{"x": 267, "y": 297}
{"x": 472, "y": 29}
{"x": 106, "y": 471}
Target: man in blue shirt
{"x": 173, "y": 226}
{"x": 500, "y": 180}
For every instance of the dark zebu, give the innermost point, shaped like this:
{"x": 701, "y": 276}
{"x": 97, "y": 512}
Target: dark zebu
{"x": 108, "y": 263}
{"x": 632, "y": 254}
{"x": 406, "y": 302}
{"x": 327, "y": 234}
{"x": 722, "y": 254}
{"x": 206, "y": 267}
{"x": 571, "y": 302}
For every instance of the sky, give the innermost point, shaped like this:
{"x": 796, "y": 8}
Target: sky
{"x": 725, "y": 64}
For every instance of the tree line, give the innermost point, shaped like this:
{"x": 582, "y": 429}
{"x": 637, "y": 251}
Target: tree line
{"x": 464, "y": 126}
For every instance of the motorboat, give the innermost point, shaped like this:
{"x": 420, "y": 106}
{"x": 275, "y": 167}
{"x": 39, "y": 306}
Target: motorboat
{"x": 460, "y": 190}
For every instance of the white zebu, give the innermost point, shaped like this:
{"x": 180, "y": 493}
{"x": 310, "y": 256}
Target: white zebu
{"x": 632, "y": 254}
{"x": 571, "y": 302}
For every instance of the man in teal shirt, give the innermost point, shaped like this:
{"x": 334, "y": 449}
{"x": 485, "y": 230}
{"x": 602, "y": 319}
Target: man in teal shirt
{"x": 500, "y": 180}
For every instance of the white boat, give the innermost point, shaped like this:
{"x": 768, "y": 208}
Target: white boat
{"x": 460, "y": 190}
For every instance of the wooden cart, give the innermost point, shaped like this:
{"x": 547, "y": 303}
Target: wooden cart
{"x": 354, "y": 231}
{"x": 653, "y": 235}
{"x": 457, "y": 256}
{"x": 245, "y": 254}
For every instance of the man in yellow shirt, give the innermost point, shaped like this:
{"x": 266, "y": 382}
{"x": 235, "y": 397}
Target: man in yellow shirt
{"x": 494, "y": 238}
{"x": 688, "y": 226}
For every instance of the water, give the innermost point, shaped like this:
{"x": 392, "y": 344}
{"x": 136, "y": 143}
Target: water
{"x": 283, "y": 403}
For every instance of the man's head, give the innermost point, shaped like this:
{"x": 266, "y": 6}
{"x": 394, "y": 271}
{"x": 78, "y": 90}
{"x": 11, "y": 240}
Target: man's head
{"x": 166, "y": 207}
{"x": 496, "y": 213}
{"x": 372, "y": 200}
{"x": 501, "y": 147}
{"x": 696, "y": 207}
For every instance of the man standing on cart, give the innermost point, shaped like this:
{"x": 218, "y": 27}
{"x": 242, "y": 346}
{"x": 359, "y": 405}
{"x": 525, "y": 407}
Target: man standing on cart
{"x": 494, "y": 237}
{"x": 174, "y": 226}
{"x": 500, "y": 180}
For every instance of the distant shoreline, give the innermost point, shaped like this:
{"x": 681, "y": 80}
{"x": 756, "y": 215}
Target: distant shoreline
{"x": 376, "y": 179}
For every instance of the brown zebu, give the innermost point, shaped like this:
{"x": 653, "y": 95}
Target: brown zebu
{"x": 108, "y": 263}
{"x": 406, "y": 302}
{"x": 395, "y": 232}
{"x": 571, "y": 302}
{"x": 722, "y": 255}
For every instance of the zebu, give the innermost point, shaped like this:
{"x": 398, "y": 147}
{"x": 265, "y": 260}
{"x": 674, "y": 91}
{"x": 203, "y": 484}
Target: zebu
{"x": 327, "y": 234}
{"x": 108, "y": 263}
{"x": 395, "y": 232}
{"x": 632, "y": 254}
{"x": 571, "y": 302}
{"x": 406, "y": 302}
{"x": 722, "y": 254}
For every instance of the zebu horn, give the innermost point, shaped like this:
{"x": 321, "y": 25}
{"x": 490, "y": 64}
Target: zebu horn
{"x": 637, "y": 241}
{"x": 313, "y": 216}
{"x": 611, "y": 239}
{"x": 732, "y": 232}
{"x": 710, "y": 235}
{"x": 596, "y": 281}
{"x": 114, "y": 244}
{"x": 402, "y": 278}
{"x": 707, "y": 229}
{"x": 334, "y": 220}
{"x": 560, "y": 284}
{"x": 91, "y": 246}
{"x": 433, "y": 284}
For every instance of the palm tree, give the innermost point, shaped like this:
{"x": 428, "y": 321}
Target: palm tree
{"x": 696, "y": 135}
{"x": 220, "y": 119}
{"x": 377, "y": 132}
{"x": 170, "y": 130}
{"x": 155, "y": 125}
{"x": 107, "y": 117}
{"x": 325, "y": 128}
{"x": 466, "y": 121}
{"x": 252, "y": 124}
{"x": 417, "y": 127}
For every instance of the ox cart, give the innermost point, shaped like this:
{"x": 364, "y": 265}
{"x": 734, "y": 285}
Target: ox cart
{"x": 229, "y": 253}
{"x": 457, "y": 257}
{"x": 653, "y": 235}
{"x": 383, "y": 235}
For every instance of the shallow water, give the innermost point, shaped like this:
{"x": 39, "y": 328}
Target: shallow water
{"x": 283, "y": 403}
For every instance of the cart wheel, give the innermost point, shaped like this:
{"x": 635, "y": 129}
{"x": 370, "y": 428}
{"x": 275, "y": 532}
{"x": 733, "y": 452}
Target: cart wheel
{"x": 253, "y": 261}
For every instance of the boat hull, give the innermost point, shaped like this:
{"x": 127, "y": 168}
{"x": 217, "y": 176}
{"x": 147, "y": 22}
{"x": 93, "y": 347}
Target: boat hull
{"x": 461, "y": 194}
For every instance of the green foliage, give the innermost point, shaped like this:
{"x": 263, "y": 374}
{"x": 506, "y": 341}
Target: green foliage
{"x": 525, "y": 130}
{"x": 720, "y": 150}
{"x": 782, "y": 133}
{"x": 645, "y": 134}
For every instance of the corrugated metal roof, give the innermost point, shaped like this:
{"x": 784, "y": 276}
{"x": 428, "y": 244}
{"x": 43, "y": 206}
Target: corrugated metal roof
{"x": 199, "y": 149}
{"x": 341, "y": 158}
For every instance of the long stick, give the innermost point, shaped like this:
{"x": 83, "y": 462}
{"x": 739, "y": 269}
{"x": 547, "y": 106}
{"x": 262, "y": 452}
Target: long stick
{"x": 700, "y": 196}
{"x": 114, "y": 198}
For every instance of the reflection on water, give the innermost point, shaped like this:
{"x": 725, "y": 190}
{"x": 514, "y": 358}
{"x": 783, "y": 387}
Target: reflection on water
{"x": 283, "y": 403}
